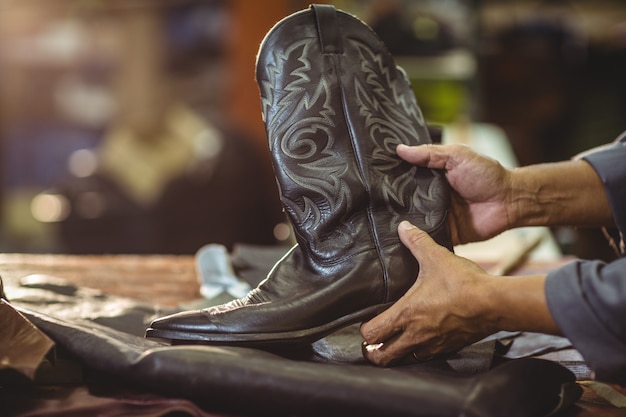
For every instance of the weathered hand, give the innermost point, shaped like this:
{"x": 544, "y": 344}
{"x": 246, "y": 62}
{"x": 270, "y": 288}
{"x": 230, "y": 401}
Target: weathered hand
{"x": 479, "y": 207}
{"x": 440, "y": 313}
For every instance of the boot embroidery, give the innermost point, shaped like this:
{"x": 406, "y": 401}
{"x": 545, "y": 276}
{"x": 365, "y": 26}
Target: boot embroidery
{"x": 390, "y": 119}
{"x": 307, "y": 142}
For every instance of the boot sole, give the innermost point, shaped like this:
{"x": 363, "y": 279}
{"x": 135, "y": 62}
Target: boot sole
{"x": 291, "y": 338}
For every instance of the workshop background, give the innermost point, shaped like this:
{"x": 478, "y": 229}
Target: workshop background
{"x": 134, "y": 126}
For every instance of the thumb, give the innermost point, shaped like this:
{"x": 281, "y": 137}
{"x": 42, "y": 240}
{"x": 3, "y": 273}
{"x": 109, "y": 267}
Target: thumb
{"x": 416, "y": 240}
{"x": 430, "y": 156}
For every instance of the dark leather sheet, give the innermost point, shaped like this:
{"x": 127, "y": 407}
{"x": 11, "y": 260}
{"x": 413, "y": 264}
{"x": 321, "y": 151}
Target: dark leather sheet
{"x": 254, "y": 382}
{"x": 327, "y": 378}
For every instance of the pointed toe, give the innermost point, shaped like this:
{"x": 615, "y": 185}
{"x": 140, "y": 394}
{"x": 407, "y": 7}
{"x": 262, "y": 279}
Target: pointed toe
{"x": 180, "y": 324}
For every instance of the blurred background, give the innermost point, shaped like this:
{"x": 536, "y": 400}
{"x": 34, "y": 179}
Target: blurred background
{"x": 134, "y": 126}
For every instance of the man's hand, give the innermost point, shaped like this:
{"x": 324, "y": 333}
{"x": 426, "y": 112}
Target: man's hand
{"x": 452, "y": 304}
{"x": 441, "y": 313}
{"x": 488, "y": 199}
{"x": 479, "y": 199}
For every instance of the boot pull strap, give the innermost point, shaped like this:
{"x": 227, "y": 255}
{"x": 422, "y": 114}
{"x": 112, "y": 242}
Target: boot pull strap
{"x": 328, "y": 28}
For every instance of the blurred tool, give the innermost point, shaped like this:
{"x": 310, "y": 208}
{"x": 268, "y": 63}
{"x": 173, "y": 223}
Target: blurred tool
{"x": 216, "y": 274}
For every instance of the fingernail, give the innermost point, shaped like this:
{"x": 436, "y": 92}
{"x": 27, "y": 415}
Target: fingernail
{"x": 406, "y": 225}
{"x": 371, "y": 348}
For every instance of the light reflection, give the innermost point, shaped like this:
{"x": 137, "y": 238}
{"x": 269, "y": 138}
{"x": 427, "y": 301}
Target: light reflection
{"x": 82, "y": 163}
{"x": 49, "y": 208}
{"x": 282, "y": 232}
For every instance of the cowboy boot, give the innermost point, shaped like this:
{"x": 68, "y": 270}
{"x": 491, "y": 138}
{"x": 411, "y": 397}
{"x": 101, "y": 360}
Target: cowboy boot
{"x": 335, "y": 107}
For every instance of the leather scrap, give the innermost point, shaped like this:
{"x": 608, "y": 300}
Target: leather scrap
{"x": 328, "y": 379}
{"x": 70, "y": 401}
{"x": 531, "y": 344}
{"x": 608, "y": 392}
{"x": 256, "y": 382}
{"x": 22, "y": 346}
{"x": 57, "y": 297}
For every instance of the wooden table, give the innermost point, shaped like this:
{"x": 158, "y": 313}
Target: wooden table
{"x": 168, "y": 280}
{"x": 164, "y": 279}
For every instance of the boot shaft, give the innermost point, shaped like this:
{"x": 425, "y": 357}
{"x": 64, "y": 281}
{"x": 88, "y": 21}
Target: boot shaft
{"x": 358, "y": 108}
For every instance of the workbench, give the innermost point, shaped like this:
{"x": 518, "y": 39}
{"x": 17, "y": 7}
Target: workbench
{"x": 168, "y": 281}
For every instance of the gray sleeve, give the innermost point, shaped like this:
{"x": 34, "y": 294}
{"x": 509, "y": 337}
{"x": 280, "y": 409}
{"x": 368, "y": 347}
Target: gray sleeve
{"x": 609, "y": 162}
{"x": 587, "y": 299}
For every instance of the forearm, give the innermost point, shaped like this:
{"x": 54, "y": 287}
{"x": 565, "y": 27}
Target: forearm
{"x": 518, "y": 304}
{"x": 564, "y": 193}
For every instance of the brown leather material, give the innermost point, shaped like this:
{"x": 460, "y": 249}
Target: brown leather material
{"x": 23, "y": 347}
{"x": 335, "y": 107}
{"x": 328, "y": 29}
{"x": 95, "y": 400}
{"x": 244, "y": 381}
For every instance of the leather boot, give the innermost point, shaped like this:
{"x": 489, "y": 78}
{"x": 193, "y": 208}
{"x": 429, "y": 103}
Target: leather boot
{"x": 335, "y": 107}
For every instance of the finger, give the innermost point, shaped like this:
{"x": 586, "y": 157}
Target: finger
{"x": 382, "y": 354}
{"x": 386, "y": 334}
{"x": 392, "y": 351}
{"x": 388, "y": 324}
{"x": 386, "y": 337}
{"x": 431, "y": 156}
{"x": 416, "y": 240}
{"x": 382, "y": 328}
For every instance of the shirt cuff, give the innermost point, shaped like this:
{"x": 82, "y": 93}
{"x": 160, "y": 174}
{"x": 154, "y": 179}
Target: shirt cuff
{"x": 608, "y": 162}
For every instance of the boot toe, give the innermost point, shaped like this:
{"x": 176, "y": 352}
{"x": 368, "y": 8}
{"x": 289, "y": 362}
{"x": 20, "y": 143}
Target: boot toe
{"x": 187, "y": 322}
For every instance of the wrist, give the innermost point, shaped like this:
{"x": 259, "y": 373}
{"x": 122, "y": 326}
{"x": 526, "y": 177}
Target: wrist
{"x": 526, "y": 202}
{"x": 486, "y": 310}
{"x": 518, "y": 304}
{"x": 568, "y": 193}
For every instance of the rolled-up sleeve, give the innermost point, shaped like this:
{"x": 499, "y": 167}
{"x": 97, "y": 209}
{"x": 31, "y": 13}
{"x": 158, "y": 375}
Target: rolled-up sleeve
{"x": 587, "y": 299}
